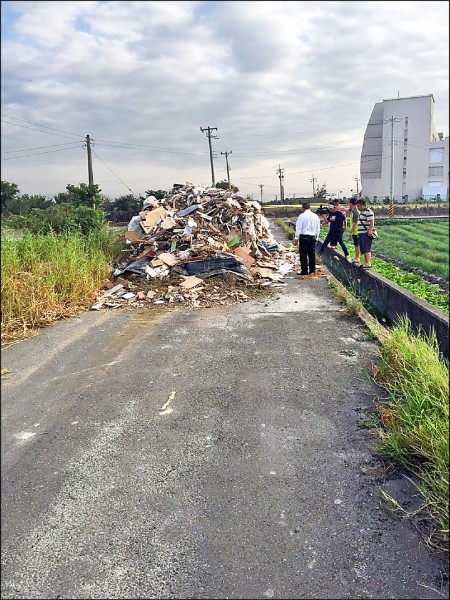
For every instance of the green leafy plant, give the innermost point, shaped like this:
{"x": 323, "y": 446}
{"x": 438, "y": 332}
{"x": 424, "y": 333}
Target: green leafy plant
{"x": 415, "y": 418}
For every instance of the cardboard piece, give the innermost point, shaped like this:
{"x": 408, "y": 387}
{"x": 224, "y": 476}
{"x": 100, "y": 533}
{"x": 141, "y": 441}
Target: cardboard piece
{"x": 168, "y": 223}
{"x": 244, "y": 253}
{"x": 191, "y": 282}
{"x": 168, "y": 258}
{"x": 152, "y": 217}
{"x": 133, "y": 236}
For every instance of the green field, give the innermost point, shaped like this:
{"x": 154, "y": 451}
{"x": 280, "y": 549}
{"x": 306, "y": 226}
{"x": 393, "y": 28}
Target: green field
{"x": 422, "y": 244}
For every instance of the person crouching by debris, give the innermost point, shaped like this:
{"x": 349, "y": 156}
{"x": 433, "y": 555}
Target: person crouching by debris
{"x": 134, "y": 224}
{"x": 307, "y": 230}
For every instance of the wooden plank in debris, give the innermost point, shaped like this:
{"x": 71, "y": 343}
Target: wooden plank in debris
{"x": 261, "y": 271}
{"x": 157, "y": 262}
{"x": 133, "y": 236}
{"x": 191, "y": 282}
{"x": 123, "y": 281}
{"x": 168, "y": 223}
{"x": 152, "y": 217}
{"x": 147, "y": 252}
{"x": 168, "y": 258}
{"x": 244, "y": 253}
{"x": 113, "y": 290}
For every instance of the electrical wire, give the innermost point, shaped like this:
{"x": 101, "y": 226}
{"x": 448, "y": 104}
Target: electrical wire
{"x": 38, "y": 125}
{"x": 37, "y": 148}
{"x": 115, "y": 175}
{"x": 34, "y": 129}
{"x": 37, "y": 153}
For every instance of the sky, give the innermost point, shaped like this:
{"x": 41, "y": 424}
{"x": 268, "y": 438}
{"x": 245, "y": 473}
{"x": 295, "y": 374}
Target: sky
{"x": 284, "y": 86}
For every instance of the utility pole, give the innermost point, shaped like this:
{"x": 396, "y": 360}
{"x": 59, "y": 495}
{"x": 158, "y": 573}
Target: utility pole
{"x": 392, "y": 120}
{"x": 228, "y": 169}
{"x": 314, "y": 179}
{"x": 261, "y": 185}
{"x": 209, "y": 135}
{"x": 357, "y": 185}
{"x": 89, "y": 155}
{"x": 280, "y": 172}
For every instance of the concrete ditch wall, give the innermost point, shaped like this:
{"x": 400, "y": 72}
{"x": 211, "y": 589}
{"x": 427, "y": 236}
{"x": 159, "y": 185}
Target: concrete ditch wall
{"x": 387, "y": 299}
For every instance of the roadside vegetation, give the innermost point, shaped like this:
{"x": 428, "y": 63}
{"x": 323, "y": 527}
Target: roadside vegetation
{"x": 48, "y": 277}
{"x": 414, "y": 420}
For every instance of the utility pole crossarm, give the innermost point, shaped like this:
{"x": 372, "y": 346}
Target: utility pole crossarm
{"x": 261, "y": 185}
{"x": 228, "y": 168}
{"x": 209, "y": 135}
{"x": 89, "y": 155}
{"x": 280, "y": 172}
{"x": 314, "y": 180}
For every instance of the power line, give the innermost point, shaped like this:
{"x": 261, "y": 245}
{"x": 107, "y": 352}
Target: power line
{"x": 37, "y": 148}
{"x": 152, "y": 148}
{"x": 115, "y": 175}
{"x": 34, "y": 129}
{"x": 37, "y": 153}
{"x": 38, "y": 125}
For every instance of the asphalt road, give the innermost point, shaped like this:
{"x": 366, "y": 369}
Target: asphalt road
{"x": 216, "y": 453}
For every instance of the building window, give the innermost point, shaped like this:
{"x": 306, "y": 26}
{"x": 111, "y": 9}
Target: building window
{"x": 437, "y": 155}
{"x": 435, "y": 171}
{"x": 406, "y": 121}
{"x": 404, "y": 173}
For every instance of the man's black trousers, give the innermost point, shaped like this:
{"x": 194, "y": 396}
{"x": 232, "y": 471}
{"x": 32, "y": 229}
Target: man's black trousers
{"x": 307, "y": 251}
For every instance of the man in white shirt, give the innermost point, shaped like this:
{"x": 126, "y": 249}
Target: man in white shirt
{"x": 307, "y": 230}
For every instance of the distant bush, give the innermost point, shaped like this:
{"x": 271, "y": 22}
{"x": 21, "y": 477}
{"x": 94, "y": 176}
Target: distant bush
{"x": 61, "y": 218}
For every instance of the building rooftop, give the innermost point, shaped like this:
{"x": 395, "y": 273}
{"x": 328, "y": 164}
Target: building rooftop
{"x": 410, "y": 97}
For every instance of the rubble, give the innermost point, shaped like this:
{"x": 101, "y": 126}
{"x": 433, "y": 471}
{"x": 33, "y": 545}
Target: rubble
{"x": 198, "y": 247}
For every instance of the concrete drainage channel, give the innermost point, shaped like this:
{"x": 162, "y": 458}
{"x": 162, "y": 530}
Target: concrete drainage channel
{"x": 387, "y": 299}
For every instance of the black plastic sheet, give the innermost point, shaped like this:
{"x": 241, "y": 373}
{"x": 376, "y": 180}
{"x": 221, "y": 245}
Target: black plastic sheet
{"x": 214, "y": 265}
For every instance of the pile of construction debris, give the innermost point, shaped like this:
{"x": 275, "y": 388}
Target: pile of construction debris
{"x": 198, "y": 246}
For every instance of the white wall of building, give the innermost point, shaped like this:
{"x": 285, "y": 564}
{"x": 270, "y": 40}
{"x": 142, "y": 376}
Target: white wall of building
{"x": 421, "y": 158}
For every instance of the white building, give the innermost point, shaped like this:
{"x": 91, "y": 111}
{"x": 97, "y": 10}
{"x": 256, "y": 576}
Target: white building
{"x": 420, "y": 164}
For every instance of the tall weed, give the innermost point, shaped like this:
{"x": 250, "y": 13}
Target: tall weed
{"x": 46, "y": 277}
{"x": 416, "y": 416}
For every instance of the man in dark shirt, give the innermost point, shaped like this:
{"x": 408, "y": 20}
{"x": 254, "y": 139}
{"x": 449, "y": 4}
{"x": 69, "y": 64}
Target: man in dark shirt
{"x": 338, "y": 224}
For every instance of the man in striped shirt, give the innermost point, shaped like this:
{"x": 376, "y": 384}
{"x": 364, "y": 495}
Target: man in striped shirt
{"x": 366, "y": 224}
{"x": 307, "y": 230}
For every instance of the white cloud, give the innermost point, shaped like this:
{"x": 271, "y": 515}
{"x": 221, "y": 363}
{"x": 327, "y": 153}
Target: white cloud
{"x": 285, "y": 83}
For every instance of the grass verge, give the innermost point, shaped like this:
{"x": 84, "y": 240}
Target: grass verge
{"x": 414, "y": 419}
{"x": 48, "y": 277}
